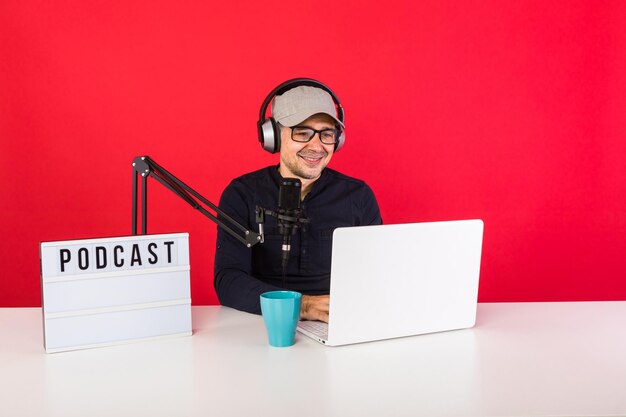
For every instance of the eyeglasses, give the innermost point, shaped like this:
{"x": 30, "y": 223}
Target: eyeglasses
{"x": 305, "y": 134}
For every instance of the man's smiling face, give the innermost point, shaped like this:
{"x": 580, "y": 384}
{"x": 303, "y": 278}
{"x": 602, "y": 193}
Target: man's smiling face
{"x": 306, "y": 161}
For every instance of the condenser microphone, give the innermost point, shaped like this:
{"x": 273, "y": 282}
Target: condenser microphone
{"x": 288, "y": 214}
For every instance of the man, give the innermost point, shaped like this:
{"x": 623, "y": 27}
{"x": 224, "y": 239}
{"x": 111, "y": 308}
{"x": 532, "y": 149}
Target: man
{"x": 309, "y": 131}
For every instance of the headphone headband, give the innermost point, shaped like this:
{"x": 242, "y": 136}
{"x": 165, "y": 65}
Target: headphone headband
{"x": 296, "y": 82}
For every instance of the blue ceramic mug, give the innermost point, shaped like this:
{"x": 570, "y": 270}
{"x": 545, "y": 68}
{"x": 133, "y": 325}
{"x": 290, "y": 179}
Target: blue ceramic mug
{"x": 281, "y": 312}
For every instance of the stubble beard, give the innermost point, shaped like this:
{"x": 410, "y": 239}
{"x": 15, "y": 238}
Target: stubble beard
{"x": 303, "y": 172}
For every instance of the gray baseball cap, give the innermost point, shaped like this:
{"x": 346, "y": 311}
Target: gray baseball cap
{"x": 298, "y": 104}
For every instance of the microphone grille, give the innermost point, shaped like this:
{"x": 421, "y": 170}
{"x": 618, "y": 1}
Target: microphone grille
{"x": 289, "y": 194}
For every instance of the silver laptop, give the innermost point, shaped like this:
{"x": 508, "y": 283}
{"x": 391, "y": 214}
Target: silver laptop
{"x": 401, "y": 280}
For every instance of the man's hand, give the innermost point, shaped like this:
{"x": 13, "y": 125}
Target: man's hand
{"x": 314, "y": 307}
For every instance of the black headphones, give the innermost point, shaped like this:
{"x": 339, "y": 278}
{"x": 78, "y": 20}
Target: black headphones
{"x": 269, "y": 133}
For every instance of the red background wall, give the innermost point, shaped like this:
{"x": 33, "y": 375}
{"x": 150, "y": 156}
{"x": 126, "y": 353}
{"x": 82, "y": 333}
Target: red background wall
{"x": 512, "y": 112}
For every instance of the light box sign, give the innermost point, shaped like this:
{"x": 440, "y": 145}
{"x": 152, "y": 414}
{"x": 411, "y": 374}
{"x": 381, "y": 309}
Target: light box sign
{"x": 100, "y": 292}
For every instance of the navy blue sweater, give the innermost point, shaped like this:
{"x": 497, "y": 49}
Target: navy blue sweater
{"x": 243, "y": 274}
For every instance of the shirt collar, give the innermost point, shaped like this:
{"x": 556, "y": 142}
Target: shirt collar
{"x": 318, "y": 184}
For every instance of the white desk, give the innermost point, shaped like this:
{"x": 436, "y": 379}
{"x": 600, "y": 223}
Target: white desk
{"x": 520, "y": 360}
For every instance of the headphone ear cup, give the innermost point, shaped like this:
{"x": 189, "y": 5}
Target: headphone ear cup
{"x": 269, "y": 136}
{"x": 340, "y": 141}
{"x": 276, "y": 136}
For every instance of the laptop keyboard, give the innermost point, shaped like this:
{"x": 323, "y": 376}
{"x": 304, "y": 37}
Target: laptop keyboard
{"x": 318, "y": 328}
